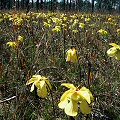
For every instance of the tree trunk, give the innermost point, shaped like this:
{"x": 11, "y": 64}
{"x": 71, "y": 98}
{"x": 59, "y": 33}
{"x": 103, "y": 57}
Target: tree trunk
{"x": 41, "y": 4}
{"x": 78, "y": 5}
{"x": 22, "y": 4}
{"x": 9, "y": 4}
{"x": 64, "y": 5}
{"x": 3, "y": 4}
{"x": 14, "y": 2}
{"x": 92, "y": 6}
{"x": 32, "y": 3}
{"x": 67, "y": 6}
{"x": 28, "y": 6}
{"x": 99, "y": 6}
{"x": 119, "y": 6}
{"x": 18, "y": 4}
{"x": 55, "y": 4}
{"x": 70, "y": 4}
{"x": 37, "y": 5}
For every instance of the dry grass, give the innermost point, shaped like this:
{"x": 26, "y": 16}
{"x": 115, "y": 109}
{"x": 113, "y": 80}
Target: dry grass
{"x": 43, "y": 51}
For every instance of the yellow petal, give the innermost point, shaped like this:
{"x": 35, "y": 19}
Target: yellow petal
{"x": 75, "y": 96}
{"x": 68, "y": 55}
{"x": 32, "y": 87}
{"x": 74, "y": 56}
{"x": 43, "y": 78}
{"x": 42, "y": 84}
{"x": 71, "y": 108}
{"x": 68, "y": 85}
{"x": 63, "y": 103}
{"x": 112, "y": 51}
{"x": 20, "y": 38}
{"x": 38, "y": 84}
{"x": 117, "y": 55}
{"x": 42, "y": 92}
{"x": 68, "y": 58}
{"x": 115, "y": 45}
{"x": 33, "y": 79}
{"x": 66, "y": 95}
{"x": 86, "y": 94}
{"x": 12, "y": 44}
{"x": 85, "y": 109}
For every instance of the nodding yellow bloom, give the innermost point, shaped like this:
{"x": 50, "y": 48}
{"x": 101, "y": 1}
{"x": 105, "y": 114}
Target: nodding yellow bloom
{"x": 70, "y": 99}
{"x": 114, "y": 51}
{"x": 42, "y": 83}
{"x": 56, "y": 29}
{"x": 75, "y": 31}
{"x": 81, "y": 25}
{"x": 118, "y": 32}
{"x": 65, "y": 18}
{"x": 20, "y": 38}
{"x": 72, "y": 55}
{"x": 46, "y": 24}
{"x": 110, "y": 19}
{"x": 103, "y": 32}
{"x": 87, "y": 19}
{"x": 12, "y": 44}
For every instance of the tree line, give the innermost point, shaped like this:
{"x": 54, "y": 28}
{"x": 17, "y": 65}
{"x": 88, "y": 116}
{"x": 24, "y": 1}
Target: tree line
{"x": 67, "y": 5}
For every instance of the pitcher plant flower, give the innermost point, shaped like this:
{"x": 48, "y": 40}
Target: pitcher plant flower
{"x": 20, "y": 38}
{"x": 70, "y": 99}
{"x": 114, "y": 51}
{"x": 12, "y": 44}
{"x": 72, "y": 55}
{"x": 103, "y": 32}
{"x": 42, "y": 83}
{"x": 118, "y": 32}
{"x": 81, "y": 25}
{"x": 16, "y": 43}
{"x": 56, "y": 29}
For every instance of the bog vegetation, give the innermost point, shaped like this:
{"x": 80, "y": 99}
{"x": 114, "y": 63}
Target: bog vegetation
{"x": 40, "y": 51}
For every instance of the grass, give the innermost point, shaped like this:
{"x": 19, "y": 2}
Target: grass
{"x": 43, "y": 51}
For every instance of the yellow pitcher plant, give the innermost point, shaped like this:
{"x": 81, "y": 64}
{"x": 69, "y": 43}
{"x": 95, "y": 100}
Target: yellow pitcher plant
{"x": 70, "y": 99}
{"x": 72, "y": 55}
{"x": 114, "y": 51}
{"x": 12, "y": 44}
{"x": 42, "y": 83}
{"x": 16, "y": 43}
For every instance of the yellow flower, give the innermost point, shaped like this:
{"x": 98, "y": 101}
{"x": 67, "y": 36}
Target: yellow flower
{"x": 20, "y": 38}
{"x": 81, "y": 25}
{"x": 57, "y": 21}
{"x": 103, "y": 32}
{"x": 118, "y": 32}
{"x": 56, "y": 29}
{"x": 12, "y": 44}
{"x": 42, "y": 83}
{"x": 46, "y": 24}
{"x": 87, "y": 20}
{"x": 35, "y": 22}
{"x": 72, "y": 55}
{"x": 110, "y": 19}
{"x": 74, "y": 31}
{"x": 65, "y": 18}
{"x": 114, "y": 51}
{"x": 70, "y": 99}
